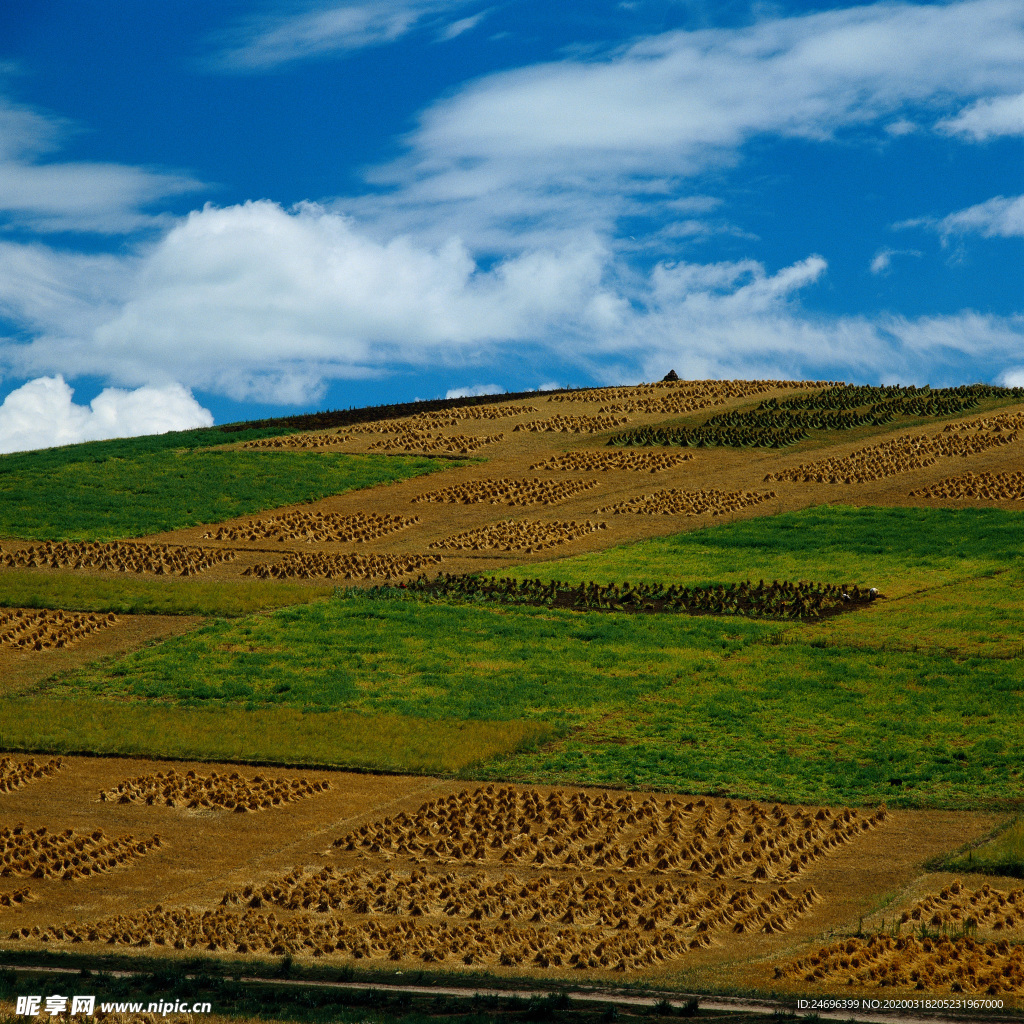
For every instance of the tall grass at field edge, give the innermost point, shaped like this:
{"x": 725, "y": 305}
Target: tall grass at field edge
{"x": 385, "y": 743}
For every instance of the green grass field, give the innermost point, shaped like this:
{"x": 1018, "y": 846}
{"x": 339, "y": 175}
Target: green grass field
{"x": 150, "y": 491}
{"x": 915, "y": 700}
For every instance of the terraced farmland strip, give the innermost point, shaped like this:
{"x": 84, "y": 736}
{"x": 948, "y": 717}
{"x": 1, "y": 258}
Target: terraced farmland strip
{"x": 682, "y": 396}
{"x": 602, "y": 461}
{"x": 675, "y": 502}
{"x": 118, "y": 556}
{"x": 572, "y": 424}
{"x": 423, "y": 441}
{"x": 517, "y": 535}
{"x": 509, "y": 491}
{"x": 750, "y": 843}
{"x": 957, "y": 908}
{"x": 923, "y": 964}
{"x": 887, "y": 458}
{"x": 300, "y": 441}
{"x": 232, "y": 792}
{"x": 703, "y": 914}
{"x": 778, "y": 423}
{"x": 502, "y": 945}
{"x": 980, "y": 486}
{"x": 316, "y": 527}
{"x": 343, "y": 566}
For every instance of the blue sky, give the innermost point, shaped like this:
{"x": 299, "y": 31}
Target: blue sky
{"x": 221, "y": 210}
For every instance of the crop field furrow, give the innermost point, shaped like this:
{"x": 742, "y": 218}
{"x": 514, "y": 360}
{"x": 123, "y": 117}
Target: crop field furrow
{"x": 232, "y": 792}
{"x": 603, "y": 461}
{"x": 509, "y": 491}
{"x": 343, "y": 566}
{"x": 118, "y": 556}
{"x": 317, "y": 527}
{"x": 623, "y": 833}
{"x": 518, "y": 535}
{"x": 675, "y": 502}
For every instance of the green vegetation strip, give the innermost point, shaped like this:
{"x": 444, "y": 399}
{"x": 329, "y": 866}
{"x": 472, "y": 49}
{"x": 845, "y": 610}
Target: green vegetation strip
{"x": 839, "y": 711}
{"x": 390, "y": 743}
{"x": 168, "y": 489}
{"x": 775, "y": 600}
{"x": 1002, "y": 855}
{"x": 168, "y": 595}
{"x": 901, "y": 551}
{"x": 777, "y": 423}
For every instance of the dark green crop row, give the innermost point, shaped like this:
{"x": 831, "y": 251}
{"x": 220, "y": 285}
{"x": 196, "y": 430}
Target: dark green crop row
{"x": 775, "y": 600}
{"x": 777, "y": 423}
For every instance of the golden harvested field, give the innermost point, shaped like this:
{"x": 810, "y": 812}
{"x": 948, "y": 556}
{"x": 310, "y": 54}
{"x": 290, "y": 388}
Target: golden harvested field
{"x": 111, "y": 854}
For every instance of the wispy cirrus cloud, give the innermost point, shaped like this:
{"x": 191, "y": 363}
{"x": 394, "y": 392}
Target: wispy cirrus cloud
{"x": 998, "y": 217}
{"x": 525, "y": 154}
{"x": 312, "y": 30}
{"x": 987, "y": 119}
{"x": 43, "y": 194}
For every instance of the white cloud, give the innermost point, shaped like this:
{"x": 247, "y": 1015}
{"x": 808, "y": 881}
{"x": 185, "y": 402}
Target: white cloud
{"x": 262, "y": 43}
{"x": 535, "y": 152}
{"x": 1000, "y": 216}
{"x": 1013, "y": 378}
{"x": 41, "y": 414}
{"x": 256, "y": 302}
{"x": 76, "y": 196}
{"x": 474, "y": 390}
{"x": 882, "y": 261}
{"x": 456, "y": 28}
{"x": 988, "y": 118}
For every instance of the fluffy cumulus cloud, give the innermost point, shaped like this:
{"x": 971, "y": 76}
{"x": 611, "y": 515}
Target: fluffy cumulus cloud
{"x": 591, "y": 138}
{"x": 255, "y": 301}
{"x": 41, "y": 414}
